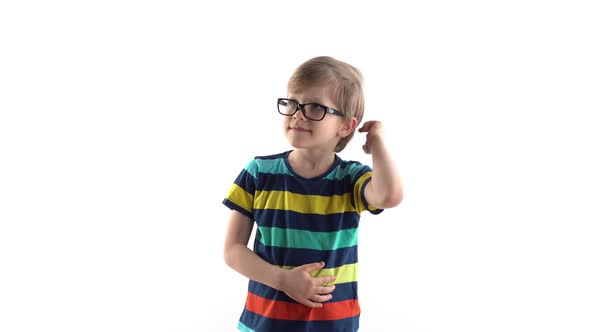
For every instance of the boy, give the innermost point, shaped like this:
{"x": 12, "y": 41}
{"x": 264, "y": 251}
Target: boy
{"x": 306, "y": 204}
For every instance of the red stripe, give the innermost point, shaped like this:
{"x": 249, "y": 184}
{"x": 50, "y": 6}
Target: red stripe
{"x": 296, "y": 311}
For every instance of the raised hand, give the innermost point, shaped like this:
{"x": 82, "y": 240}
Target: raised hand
{"x": 299, "y": 285}
{"x": 375, "y": 132}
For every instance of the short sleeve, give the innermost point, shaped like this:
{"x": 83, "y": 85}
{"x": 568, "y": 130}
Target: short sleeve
{"x": 361, "y": 179}
{"x": 241, "y": 194}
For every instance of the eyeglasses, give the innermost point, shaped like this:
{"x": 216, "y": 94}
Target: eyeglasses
{"x": 312, "y": 111}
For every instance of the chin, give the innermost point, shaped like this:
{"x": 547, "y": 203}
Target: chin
{"x": 296, "y": 143}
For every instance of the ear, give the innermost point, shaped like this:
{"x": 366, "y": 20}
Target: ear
{"x": 347, "y": 127}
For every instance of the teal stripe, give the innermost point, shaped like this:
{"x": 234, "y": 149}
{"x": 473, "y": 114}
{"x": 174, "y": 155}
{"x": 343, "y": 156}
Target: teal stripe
{"x": 244, "y": 328}
{"x": 340, "y": 172}
{"x": 252, "y": 168}
{"x": 273, "y": 166}
{"x": 295, "y": 238}
{"x": 278, "y": 166}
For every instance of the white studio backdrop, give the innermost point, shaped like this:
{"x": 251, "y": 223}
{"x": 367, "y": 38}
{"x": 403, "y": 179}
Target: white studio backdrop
{"x": 124, "y": 123}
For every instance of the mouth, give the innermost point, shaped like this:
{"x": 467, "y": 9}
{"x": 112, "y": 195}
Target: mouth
{"x": 299, "y": 129}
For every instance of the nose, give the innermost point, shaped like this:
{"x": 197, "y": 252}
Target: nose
{"x": 298, "y": 115}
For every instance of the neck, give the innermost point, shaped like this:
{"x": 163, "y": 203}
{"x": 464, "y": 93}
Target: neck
{"x": 308, "y": 163}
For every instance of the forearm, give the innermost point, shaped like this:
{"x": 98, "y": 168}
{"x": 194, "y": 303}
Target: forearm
{"x": 240, "y": 258}
{"x": 385, "y": 181}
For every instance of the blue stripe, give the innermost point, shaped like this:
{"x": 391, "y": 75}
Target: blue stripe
{"x": 342, "y": 292}
{"x": 303, "y": 221}
{"x": 262, "y": 324}
{"x": 365, "y": 203}
{"x": 278, "y": 164}
{"x": 323, "y": 187}
{"x": 247, "y": 181}
{"x": 297, "y": 256}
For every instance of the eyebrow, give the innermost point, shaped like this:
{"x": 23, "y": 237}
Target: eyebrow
{"x": 311, "y": 102}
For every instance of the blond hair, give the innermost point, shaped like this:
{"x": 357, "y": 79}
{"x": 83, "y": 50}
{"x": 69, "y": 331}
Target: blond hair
{"x": 343, "y": 81}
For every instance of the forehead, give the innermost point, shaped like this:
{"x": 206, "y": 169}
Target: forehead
{"x": 313, "y": 94}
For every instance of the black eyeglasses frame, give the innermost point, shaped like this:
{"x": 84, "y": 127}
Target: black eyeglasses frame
{"x": 302, "y": 108}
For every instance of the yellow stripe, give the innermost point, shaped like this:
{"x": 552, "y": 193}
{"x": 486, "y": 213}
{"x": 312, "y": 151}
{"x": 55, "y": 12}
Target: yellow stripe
{"x": 345, "y": 273}
{"x": 358, "y": 202}
{"x": 285, "y": 200}
{"x": 240, "y": 197}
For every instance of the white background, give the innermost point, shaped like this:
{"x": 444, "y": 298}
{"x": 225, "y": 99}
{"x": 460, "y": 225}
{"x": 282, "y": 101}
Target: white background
{"x": 124, "y": 123}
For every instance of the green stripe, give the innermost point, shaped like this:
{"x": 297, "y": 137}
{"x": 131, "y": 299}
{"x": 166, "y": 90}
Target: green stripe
{"x": 244, "y": 328}
{"x": 252, "y": 168}
{"x": 339, "y": 173}
{"x": 273, "y": 166}
{"x": 295, "y": 238}
{"x": 278, "y": 166}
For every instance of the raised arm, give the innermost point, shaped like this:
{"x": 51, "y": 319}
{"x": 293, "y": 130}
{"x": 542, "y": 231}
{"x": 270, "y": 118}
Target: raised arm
{"x": 385, "y": 188}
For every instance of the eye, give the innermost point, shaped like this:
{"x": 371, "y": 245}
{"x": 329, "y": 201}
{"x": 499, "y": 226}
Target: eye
{"x": 316, "y": 107}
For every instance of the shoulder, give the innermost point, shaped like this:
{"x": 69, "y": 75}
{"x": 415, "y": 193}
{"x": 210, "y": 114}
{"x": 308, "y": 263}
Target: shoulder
{"x": 265, "y": 163}
{"x": 351, "y": 168}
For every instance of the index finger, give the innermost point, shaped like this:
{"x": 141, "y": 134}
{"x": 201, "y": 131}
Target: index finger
{"x": 364, "y": 127}
{"x": 325, "y": 280}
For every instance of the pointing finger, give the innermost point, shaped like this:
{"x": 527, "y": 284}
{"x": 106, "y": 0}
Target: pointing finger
{"x": 364, "y": 127}
{"x": 326, "y": 289}
{"x": 311, "y": 304}
{"x": 321, "y": 298}
{"x": 325, "y": 280}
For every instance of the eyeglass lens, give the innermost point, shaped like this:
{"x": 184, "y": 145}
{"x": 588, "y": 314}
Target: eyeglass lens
{"x": 310, "y": 111}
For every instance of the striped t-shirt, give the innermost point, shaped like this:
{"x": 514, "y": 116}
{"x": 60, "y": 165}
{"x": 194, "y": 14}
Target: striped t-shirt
{"x": 300, "y": 221}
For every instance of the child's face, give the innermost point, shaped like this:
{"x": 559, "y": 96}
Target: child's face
{"x": 302, "y": 132}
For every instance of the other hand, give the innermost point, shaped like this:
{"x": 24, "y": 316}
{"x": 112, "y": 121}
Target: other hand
{"x": 305, "y": 289}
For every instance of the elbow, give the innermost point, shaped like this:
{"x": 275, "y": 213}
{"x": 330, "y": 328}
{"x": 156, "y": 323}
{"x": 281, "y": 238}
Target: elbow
{"x": 231, "y": 254}
{"x": 392, "y": 200}
{"x": 228, "y": 256}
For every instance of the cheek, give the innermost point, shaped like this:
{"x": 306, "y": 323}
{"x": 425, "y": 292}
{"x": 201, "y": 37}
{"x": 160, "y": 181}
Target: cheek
{"x": 286, "y": 121}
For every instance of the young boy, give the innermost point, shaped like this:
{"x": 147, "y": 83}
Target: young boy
{"x": 306, "y": 204}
